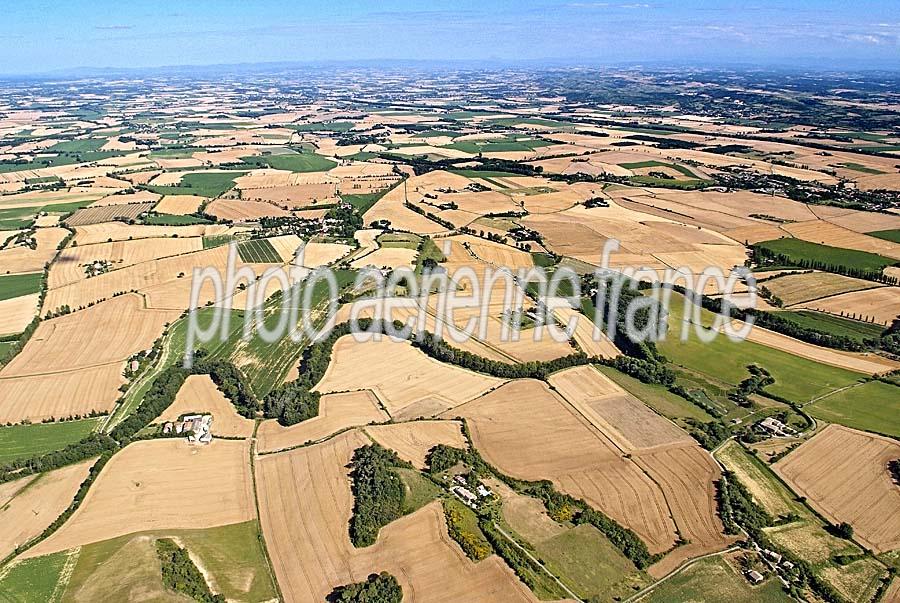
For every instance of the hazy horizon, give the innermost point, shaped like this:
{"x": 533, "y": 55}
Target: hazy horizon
{"x": 142, "y": 35}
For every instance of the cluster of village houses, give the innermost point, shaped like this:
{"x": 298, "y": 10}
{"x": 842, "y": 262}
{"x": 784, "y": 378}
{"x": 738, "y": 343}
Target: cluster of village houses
{"x": 198, "y": 428}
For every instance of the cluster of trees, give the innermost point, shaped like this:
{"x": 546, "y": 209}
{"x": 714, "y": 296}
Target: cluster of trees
{"x": 377, "y": 588}
{"x": 181, "y": 575}
{"x": 296, "y": 401}
{"x": 736, "y": 506}
{"x": 646, "y": 370}
{"x": 708, "y": 434}
{"x": 754, "y": 384}
{"x": 442, "y": 457}
{"x": 228, "y": 378}
{"x": 378, "y": 492}
{"x": 349, "y": 221}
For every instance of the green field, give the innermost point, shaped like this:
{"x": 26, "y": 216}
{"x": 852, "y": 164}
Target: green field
{"x": 216, "y": 240}
{"x": 530, "y": 121}
{"x": 176, "y": 152}
{"x": 429, "y": 250}
{"x": 713, "y": 580}
{"x": 209, "y": 185}
{"x": 419, "y": 490}
{"x": 32, "y": 580}
{"x": 42, "y": 180}
{"x": 15, "y": 285}
{"x": 483, "y": 173}
{"x": 647, "y": 164}
{"x": 332, "y": 126}
{"x": 294, "y": 162}
{"x": 15, "y": 218}
{"x": 835, "y": 325}
{"x": 873, "y": 406}
{"x": 258, "y": 251}
{"x": 5, "y": 347}
{"x": 858, "y": 167}
{"x": 21, "y": 441}
{"x": 798, "y": 249}
{"x": 83, "y": 145}
{"x": 263, "y": 364}
{"x": 113, "y": 569}
{"x": 585, "y": 561}
{"x": 887, "y": 235}
{"x": 62, "y": 159}
{"x": 657, "y": 397}
{"x": 497, "y": 145}
{"x": 174, "y": 220}
{"x": 670, "y": 183}
{"x": 399, "y": 239}
{"x": 723, "y": 360}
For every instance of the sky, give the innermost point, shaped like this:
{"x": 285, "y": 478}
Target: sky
{"x": 39, "y": 36}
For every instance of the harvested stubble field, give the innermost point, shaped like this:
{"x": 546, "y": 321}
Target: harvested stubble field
{"x": 17, "y": 312}
{"x": 70, "y": 265}
{"x": 29, "y": 505}
{"x": 179, "y": 204}
{"x": 298, "y": 195}
{"x": 166, "y": 282}
{"x": 843, "y": 474}
{"x": 82, "y": 340}
{"x": 81, "y": 356}
{"x": 387, "y": 257}
{"x": 880, "y": 305}
{"x": 625, "y": 420}
{"x": 412, "y": 441}
{"x": 200, "y": 395}
{"x": 24, "y": 259}
{"x": 126, "y": 198}
{"x": 108, "y": 213}
{"x": 37, "y": 397}
{"x": 407, "y": 382}
{"x": 805, "y": 287}
{"x": 584, "y": 334}
{"x": 239, "y": 210}
{"x": 528, "y": 432}
{"x": 415, "y": 549}
{"x": 119, "y": 231}
{"x": 157, "y": 485}
{"x": 336, "y": 413}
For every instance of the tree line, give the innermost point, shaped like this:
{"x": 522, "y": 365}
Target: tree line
{"x": 378, "y": 492}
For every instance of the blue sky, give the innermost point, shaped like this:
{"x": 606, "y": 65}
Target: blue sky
{"x": 39, "y": 36}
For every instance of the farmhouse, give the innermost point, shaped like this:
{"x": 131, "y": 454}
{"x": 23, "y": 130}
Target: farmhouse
{"x": 776, "y": 427}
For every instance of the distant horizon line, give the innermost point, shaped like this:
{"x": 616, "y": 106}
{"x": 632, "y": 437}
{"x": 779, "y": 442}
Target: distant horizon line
{"x": 814, "y": 65}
